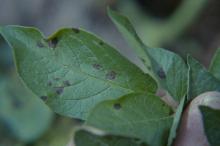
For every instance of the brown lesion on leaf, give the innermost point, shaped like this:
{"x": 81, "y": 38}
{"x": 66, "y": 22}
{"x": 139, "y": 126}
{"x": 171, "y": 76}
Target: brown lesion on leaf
{"x": 52, "y": 43}
{"x": 44, "y": 98}
{"x": 66, "y": 83}
{"x": 49, "y": 83}
{"x": 16, "y": 103}
{"x": 40, "y": 44}
{"x": 75, "y": 30}
{"x": 117, "y": 106}
{"x": 161, "y": 73}
{"x": 59, "y": 90}
{"x": 143, "y": 60}
{"x": 149, "y": 68}
{"x": 101, "y": 43}
{"x": 56, "y": 79}
{"x": 111, "y": 75}
{"x": 97, "y": 66}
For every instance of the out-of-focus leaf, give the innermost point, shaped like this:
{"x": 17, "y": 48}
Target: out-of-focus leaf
{"x": 6, "y": 59}
{"x": 84, "y": 138}
{"x": 200, "y": 79}
{"x": 127, "y": 30}
{"x": 73, "y": 69}
{"x": 168, "y": 68}
{"x": 60, "y": 134}
{"x": 211, "y": 120}
{"x": 143, "y": 116}
{"x": 25, "y": 116}
{"x": 215, "y": 64}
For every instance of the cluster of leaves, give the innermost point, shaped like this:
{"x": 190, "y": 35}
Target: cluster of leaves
{"x": 79, "y": 75}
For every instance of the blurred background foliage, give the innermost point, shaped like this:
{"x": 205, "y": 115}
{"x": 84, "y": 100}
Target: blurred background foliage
{"x": 183, "y": 26}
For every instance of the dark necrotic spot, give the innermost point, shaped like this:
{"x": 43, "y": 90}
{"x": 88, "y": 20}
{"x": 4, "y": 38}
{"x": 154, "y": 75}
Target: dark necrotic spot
{"x": 161, "y": 73}
{"x": 97, "y": 66}
{"x": 111, "y": 75}
{"x": 53, "y": 42}
{"x": 59, "y": 90}
{"x": 56, "y": 79}
{"x": 117, "y": 106}
{"x": 101, "y": 43}
{"x": 148, "y": 67}
{"x": 49, "y": 83}
{"x": 75, "y": 30}
{"x": 66, "y": 83}
{"x": 40, "y": 44}
{"x": 16, "y": 103}
{"x": 143, "y": 60}
{"x": 44, "y": 98}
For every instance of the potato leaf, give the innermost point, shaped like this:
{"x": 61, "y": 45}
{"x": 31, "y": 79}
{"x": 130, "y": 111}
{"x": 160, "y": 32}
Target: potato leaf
{"x": 73, "y": 70}
{"x": 211, "y": 120}
{"x": 167, "y": 67}
{"x": 215, "y": 64}
{"x": 143, "y": 116}
{"x": 201, "y": 80}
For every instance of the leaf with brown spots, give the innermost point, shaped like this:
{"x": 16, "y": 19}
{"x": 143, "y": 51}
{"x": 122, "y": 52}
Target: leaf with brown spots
{"x": 96, "y": 73}
{"x": 166, "y": 67}
{"x": 142, "y": 116}
{"x": 111, "y": 75}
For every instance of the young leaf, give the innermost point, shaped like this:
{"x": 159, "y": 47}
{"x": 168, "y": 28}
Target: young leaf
{"x": 211, "y": 120}
{"x": 26, "y": 116}
{"x": 200, "y": 79}
{"x": 168, "y": 68}
{"x": 84, "y": 138}
{"x": 143, "y": 116}
{"x": 73, "y": 70}
{"x": 127, "y": 30}
{"x": 171, "y": 71}
{"x": 215, "y": 64}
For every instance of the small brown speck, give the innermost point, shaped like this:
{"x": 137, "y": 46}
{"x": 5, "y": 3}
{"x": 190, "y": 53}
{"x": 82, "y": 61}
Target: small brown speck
{"x": 117, "y": 106}
{"x": 44, "y": 98}
{"x": 149, "y": 68}
{"x": 59, "y": 90}
{"x": 97, "y": 66}
{"x": 76, "y": 30}
{"x": 101, "y": 43}
{"x": 143, "y": 60}
{"x": 40, "y": 44}
{"x": 111, "y": 75}
{"x": 161, "y": 73}
{"x": 56, "y": 79}
{"x": 49, "y": 83}
{"x": 66, "y": 83}
{"x": 53, "y": 42}
{"x": 16, "y": 103}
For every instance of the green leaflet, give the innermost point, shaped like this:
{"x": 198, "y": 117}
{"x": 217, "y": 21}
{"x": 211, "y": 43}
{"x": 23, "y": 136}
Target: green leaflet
{"x": 215, "y": 64}
{"x": 200, "y": 79}
{"x": 211, "y": 120}
{"x": 73, "y": 70}
{"x": 142, "y": 116}
{"x": 168, "y": 68}
{"x": 26, "y": 116}
{"x": 127, "y": 30}
{"x": 84, "y": 138}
